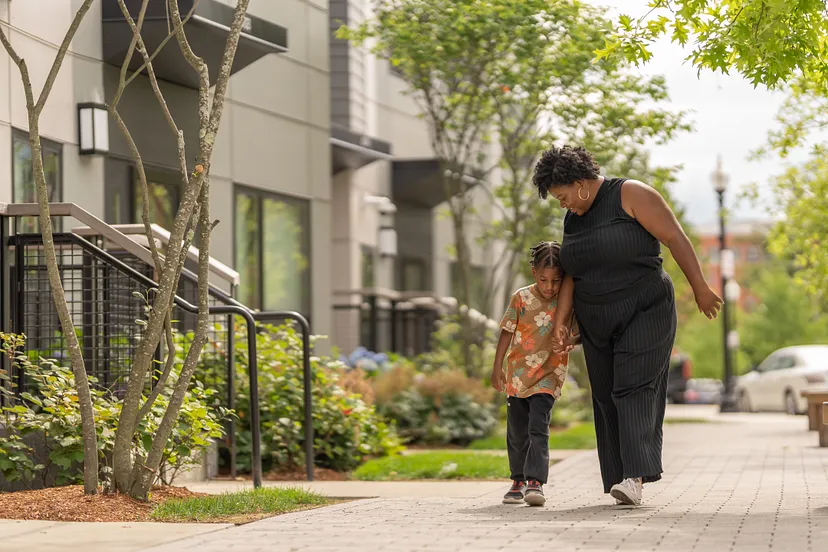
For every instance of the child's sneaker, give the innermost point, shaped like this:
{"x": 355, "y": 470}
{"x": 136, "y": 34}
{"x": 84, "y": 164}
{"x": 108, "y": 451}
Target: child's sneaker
{"x": 628, "y": 492}
{"x": 516, "y": 493}
{"x": 534, "y": 494}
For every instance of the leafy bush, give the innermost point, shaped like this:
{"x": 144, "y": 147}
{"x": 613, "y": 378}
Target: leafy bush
{"x": 357, "y": 382}
{"x": 573, "y": 406}
{"x": 441, "y": 407}
{"x": 347, "y": 430}
{"x": 447, "y": 349}
{"x": 49, "y": 416}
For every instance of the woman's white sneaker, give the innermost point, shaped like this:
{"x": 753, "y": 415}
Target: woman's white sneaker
{"x": 628, "y": 492}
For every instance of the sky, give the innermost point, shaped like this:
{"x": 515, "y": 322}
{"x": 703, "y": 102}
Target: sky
{"x": 731, "y": 119}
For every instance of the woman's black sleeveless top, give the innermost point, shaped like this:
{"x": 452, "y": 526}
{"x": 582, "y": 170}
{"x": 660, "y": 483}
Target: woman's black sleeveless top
{"x": 606, "y": 251}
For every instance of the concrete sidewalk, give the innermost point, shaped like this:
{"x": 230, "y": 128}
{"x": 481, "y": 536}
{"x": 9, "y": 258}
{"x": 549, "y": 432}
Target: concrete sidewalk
{"x": 745, "y": 483}
{"x": 749, "y": 483}
{"x": 52, "y": 536}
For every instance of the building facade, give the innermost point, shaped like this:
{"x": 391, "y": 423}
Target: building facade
{"x": 316, "y": 142}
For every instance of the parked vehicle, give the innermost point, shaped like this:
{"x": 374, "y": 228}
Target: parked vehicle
{"x": 776, "y": 384}
{"x": 681, "y": 370}
{"x": 703, "y": 391}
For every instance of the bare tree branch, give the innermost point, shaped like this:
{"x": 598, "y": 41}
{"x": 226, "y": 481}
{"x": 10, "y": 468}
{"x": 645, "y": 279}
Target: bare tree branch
{"x": 90, "y": 442}
{"x": 61, "y": 55}
{"x": 137, "y": 479}
{"x": 164, "y": 42}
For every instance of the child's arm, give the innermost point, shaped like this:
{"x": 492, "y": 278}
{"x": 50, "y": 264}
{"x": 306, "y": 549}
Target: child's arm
{"x": 563, "y": 315}
{"x": 498, "y": 376}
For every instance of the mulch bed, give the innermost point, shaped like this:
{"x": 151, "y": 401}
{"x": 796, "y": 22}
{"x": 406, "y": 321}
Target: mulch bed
{"x": 70, "y": 504}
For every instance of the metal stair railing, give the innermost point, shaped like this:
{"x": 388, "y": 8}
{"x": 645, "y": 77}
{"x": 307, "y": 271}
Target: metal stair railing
{"x": 228, "y": 305}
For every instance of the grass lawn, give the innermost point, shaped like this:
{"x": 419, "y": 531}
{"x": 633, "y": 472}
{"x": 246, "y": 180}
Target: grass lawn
{"x": 577, "y": 437}
{"x": 671, "y": 421}
{"x": 238, "y": 507}
{"x": 434, "y": 465}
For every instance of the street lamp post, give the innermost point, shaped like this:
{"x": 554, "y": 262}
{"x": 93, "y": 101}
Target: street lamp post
{"x": 726, "y": 262}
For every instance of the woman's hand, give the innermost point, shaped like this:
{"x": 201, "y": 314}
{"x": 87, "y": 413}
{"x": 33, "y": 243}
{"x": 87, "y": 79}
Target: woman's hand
{"x": 709, "y": 302}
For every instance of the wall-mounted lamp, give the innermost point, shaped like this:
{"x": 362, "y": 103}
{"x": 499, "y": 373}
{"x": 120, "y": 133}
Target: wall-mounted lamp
{"x": 387, "y": 241}
{"x": 93, "y": 129}
{"x": 387, "y": 236}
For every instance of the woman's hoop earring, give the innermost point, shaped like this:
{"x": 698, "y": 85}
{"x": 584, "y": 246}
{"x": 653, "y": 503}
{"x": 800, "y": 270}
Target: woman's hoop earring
{"x": 583, "y": 198}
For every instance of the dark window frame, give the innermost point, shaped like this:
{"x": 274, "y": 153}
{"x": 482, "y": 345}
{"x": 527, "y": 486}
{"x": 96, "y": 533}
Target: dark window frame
{"x": 475, "y": 271}
{"x": 405, "y": 262}
{"x": 260, "y": 194}
{"x": 46, "y": 145}
{"x": 164, "y": 175}
{"x": 368, "y": 252}
{"x": 169, "y": 179}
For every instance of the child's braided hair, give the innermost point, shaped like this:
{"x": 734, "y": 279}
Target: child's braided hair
{"x": 547, "y": 254}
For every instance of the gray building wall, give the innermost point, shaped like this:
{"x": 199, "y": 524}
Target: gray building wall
{"x": 274, "y": 133}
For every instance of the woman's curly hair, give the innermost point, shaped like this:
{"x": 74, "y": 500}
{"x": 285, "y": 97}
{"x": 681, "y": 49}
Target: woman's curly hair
{"x": 563, "y": 167}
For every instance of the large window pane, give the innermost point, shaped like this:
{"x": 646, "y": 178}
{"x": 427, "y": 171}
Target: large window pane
{"x": 477, "y": 288}
{"x": 368, "y": 267}
{"x": 285, "y": 255}
{"x": 163, "y": 203}
{"x": 273, "y": 251}
{"x": 24, "y": 190}
{"x": 412, "y": 275}
{"x": 248, "y": 249}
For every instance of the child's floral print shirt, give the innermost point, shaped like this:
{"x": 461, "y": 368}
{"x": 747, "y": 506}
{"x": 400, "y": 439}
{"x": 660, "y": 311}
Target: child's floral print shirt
{"x": 531, "y": 366}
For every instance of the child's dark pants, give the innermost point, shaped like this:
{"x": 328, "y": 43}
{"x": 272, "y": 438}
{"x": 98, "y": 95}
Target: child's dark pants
{"x": 527, "y": 436}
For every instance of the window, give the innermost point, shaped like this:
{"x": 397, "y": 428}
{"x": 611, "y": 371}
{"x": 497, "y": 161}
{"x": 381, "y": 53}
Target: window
{"x": 754, "y": 254}
{"x": 785, "y": 362}
{"x": 368, "y": 267}
{"x": 23, "y": 190}
{"x": 125, "y": 199}
{"x": 272, "y": 250}
{"x": 412, "y": 275}
{"x": 163, "y": 197}
{"x": 477, "y": 289}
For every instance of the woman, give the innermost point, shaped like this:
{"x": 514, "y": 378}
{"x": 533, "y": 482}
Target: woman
{"x": 624, "y": 305}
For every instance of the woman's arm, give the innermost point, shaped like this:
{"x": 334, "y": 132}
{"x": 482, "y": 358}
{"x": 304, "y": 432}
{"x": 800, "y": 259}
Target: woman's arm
{"x": 563, "y": 313}
{"x": 646, "y": 205}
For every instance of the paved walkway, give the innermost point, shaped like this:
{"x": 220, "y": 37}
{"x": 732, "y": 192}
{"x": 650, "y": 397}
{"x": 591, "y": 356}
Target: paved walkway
{"x": 750, "y": 483}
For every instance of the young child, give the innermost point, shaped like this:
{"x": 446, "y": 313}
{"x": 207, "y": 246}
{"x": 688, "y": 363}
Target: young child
{"x": 533, "y": 376}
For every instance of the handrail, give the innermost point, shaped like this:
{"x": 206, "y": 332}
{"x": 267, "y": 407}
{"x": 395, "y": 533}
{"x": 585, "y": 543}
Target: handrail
{"x": 137, "y": 232}
{"x": 233, "y": 308}
{"x": 97, "y": 227}
{"x": 250, "y": 317}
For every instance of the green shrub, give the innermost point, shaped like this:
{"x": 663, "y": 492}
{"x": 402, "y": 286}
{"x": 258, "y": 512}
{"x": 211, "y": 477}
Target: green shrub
{"x": 346, "y": 429}
{"x": 573, "y": 406}
{"x": 441, "y": 407}
{"x": 50, "y": 415}
{"x": 447, "y": 349}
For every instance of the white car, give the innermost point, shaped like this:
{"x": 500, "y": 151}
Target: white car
{"x": 775, "y": 385}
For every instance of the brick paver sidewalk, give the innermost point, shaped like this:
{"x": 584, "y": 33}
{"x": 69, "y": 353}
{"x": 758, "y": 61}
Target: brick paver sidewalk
{"x": 752, "y": 483}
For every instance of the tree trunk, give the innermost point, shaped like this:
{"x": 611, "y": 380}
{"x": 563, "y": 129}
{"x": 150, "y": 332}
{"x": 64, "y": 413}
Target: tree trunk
{"x": 144, "y": 475}
{"x": 90, "y": 436}
{"x": 34, "y": 109}
{"x": 463, "y": 264}
{"x": 137, "y": 479}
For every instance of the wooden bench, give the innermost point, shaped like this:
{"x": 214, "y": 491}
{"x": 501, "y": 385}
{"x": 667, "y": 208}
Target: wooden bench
{"x": 816, "y": 398}
{"x": 823, "y": 427}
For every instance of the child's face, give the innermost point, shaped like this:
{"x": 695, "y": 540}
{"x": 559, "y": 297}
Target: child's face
{"x": 548, "y": 281}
